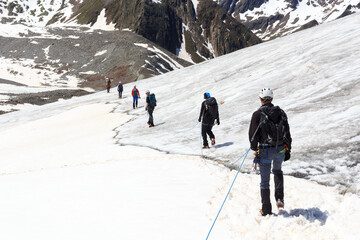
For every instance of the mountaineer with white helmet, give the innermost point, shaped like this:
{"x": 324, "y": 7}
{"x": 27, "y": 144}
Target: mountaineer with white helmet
{"x": 270, "y": 138}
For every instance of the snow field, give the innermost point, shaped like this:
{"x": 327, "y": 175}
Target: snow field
{"x": 83, "y": 168}
{"x": 314, "y": 74}
{"x": 67, "y": 170}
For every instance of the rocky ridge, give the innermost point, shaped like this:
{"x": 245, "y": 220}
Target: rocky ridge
{"x": 201, "y": 31}
{"x": 269, "y": 19}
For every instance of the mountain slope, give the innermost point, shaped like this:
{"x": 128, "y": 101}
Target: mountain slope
{"x": 269, "y": 19}
{"x": 68, "y": 56}
{"x": 172, "y": 24}
{"x": 314, "y": 74}
{"x": 66, "y": 173}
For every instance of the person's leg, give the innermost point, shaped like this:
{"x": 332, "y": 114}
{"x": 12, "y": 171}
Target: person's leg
{"x": 134, "y": 102}
{"x": 211, "y": 134}
{"x": 265, "y": 169}
{"x": 203, "y": 133}
{"x": 151, "y": 119}
{"x": 279, "y": 156}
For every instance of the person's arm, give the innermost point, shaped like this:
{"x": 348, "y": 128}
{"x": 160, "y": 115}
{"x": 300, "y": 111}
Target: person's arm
{"x": 288, "y": 138}
{"x": 254, "y": 130}
{"x": 138, "y": 93}
{"x": 218, "y": 117}
{"x": 202, "y": 111}
{"x": 147, "y": 103}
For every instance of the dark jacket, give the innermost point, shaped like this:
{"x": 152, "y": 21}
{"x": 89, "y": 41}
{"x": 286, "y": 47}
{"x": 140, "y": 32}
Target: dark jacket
{"x": 120, "y": 87}
{"x": 254, "y": 130}
{"x": 206, "y": 117}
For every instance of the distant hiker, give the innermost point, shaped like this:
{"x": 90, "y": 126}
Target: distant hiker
{"x": 120, "y": 89}
{"x": 209, "y": 113}
{"x": 270, "y": 138}
{"x": 136, "y": 95}
{"x": 108, "y": 85}
{"x": 150, "y": 106}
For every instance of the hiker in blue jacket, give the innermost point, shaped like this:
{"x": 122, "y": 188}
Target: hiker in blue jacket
{"x": 208, "y": 113}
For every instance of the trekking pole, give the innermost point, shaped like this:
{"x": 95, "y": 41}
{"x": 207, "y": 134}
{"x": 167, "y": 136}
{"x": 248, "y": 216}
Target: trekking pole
{"x": 232, "y": 184}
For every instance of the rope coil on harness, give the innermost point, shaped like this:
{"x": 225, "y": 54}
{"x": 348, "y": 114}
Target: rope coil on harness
{"x": 232, "y": 184}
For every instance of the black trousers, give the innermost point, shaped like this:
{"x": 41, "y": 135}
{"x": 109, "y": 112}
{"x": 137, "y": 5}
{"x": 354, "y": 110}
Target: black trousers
{"x": 206, "y": 130}
{"x": 151, "y": 118}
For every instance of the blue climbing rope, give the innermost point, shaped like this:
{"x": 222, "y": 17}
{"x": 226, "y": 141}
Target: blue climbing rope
{"x": 232, "y": 184}
{"x": 237, "y": 160}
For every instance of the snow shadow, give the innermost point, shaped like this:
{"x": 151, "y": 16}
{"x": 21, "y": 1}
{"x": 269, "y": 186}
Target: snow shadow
{"x": 159, "y": 124}
{"x": 311, "y": 214}
{"x": 224, "y": 144}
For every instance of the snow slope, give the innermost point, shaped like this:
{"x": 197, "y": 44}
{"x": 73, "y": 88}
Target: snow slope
{"x": 315, "y": 77}
{"x": 69, "y": 170}
{"x": 294, "y": 17}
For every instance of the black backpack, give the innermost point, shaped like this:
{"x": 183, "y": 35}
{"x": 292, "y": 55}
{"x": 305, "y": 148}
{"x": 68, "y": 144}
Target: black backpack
{"x": 272, "y": 126}
{"x": 152, "y": 100}
{"x": 212, "y": 107}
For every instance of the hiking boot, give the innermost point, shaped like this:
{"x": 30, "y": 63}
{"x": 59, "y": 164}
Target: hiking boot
{"x": 280, "y": 203}
{"x": 148, "y": 123}
{"x": 205, "y": 147}
{"x": 264, "y": 214}
{"x": 213, "y": 141}
{"x": 265, "y": 200}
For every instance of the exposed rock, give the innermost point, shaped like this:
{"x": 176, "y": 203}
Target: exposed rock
{"x": 163, "y": 24}
{"x": 90, "y": 56}
{"x": 309, "y": 25}
{"x": 240, "y": 6}
{"x": 44, "y": 97}
{"x": 224, "y": 32}
{"x": 349, "y": 10}
{"x": 259, "y": 18}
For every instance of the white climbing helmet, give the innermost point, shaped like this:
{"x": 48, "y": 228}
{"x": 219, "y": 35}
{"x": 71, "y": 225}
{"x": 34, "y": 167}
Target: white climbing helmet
{"x": 147, "y": 91}
{"x": 266, "y": 93}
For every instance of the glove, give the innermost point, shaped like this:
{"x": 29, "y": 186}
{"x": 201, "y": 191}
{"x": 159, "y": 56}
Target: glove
{"x": 218, "y": 122}
{"x": 199, "y": 119}
{"x": 287, "y": 155}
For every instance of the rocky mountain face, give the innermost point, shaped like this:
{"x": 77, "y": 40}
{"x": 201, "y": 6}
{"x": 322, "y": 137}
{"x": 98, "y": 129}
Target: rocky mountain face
{"x": 176, "y": 25}
{"x": 60, "y": 55}
{"x": 196, "y": 29}
{"x": 63, "y": 50}
{"x": 269, "y": 19}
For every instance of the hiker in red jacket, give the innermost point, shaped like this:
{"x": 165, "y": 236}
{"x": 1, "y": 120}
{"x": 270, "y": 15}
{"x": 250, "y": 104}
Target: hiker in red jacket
{"x": 136, "y": 95}
{"x": 108, "y": 85}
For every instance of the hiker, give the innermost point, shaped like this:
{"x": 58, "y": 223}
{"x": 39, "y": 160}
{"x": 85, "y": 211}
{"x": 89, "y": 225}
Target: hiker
{"x": 270, "y": 138}
{"x": 120, "y": 89}
{"x": 108, "y": 85}
{"x": 136, "y": 95}
{"x": 208, "y": 113}
{"x": 150, "y": 106}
